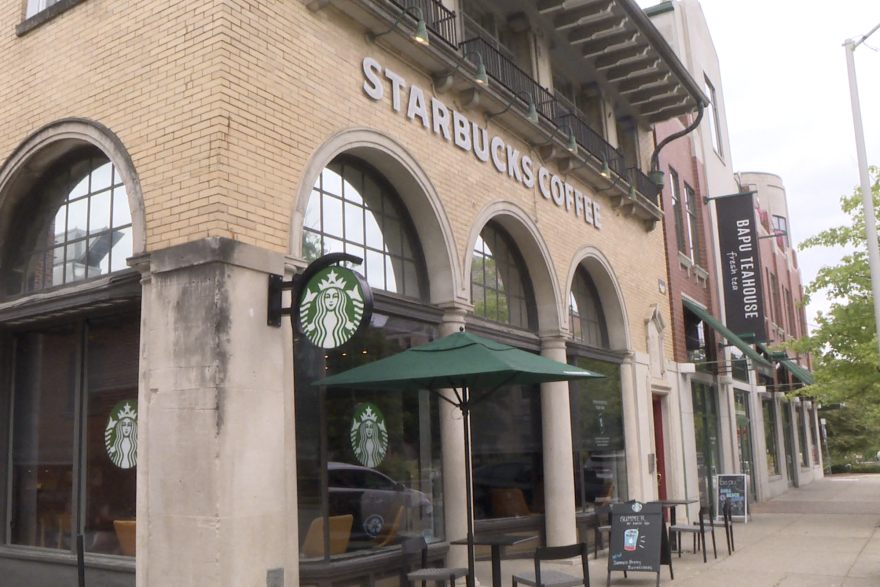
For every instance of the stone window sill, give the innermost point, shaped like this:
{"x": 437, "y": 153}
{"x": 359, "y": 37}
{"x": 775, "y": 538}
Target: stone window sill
{"x": 685, "y": 262}
{"x": 45, "y": 16}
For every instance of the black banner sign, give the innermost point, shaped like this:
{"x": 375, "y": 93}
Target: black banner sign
{"x": 740, "y": 266}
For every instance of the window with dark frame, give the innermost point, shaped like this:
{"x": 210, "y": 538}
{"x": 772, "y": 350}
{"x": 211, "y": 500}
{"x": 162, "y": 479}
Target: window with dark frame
{"x": 676, "y": 210}
{"x": 714, "y": 118}
{"x": 693, "y": 224}
{"x": 585, "y": 311}
{"x": 83, "y": 231}
{"x": 770, "y": 436}
{"x": 500, "y": 289}
{"x": 353, "y": 209}
{"x": 780, "y": 225}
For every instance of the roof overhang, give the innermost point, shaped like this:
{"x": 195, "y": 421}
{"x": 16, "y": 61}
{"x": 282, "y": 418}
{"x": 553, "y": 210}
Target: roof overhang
{"x": 619, "y": 49}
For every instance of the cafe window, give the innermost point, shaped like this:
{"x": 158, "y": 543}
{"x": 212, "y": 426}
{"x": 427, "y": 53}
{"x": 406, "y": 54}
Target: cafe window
{"x": 802, "y": 436}
{"x": 585, "y": 310}
{"x": 353, "y": 209}
{"x": 369, "y": 470}
{"x": 770, "y": 446}
{"x": 600, "y": 475}
{"x": 74, "y": 434}
{"x": 78, "y": 228}
{"x": 739, "y": 365}
{"x": 706, "y": 436}
{"x": 699, "y": 349}
{"x": 500, "y": 288}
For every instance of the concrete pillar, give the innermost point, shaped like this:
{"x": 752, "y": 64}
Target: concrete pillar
{"x": 636, "y": 430}
{"x": 559, "y": 505}
{"x": 452, "y": 441}
{"x": 212, "y": 485}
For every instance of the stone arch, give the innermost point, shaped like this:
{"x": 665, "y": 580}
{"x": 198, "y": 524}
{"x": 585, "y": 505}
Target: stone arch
{"x": 37, "y": 153}
{"x": 536, "y": 255}
{"x": 419, "y": 197}
{"x": 608, "y": 286}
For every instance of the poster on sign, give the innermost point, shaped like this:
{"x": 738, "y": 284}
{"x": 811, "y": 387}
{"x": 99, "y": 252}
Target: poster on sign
{"x": 734, "y": 489}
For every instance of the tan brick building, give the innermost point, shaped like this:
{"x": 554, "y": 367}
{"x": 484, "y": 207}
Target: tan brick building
{"x": 159, "y": 161}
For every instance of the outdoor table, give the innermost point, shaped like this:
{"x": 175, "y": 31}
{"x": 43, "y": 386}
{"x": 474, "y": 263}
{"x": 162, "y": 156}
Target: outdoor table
{"x": 497, "y": 542}
{"x": 670, "y": 504}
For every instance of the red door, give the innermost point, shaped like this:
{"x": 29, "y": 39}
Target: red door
{"x": 658, "y": 447}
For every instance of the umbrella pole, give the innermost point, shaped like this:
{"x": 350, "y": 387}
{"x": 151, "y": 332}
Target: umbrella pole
{"x": 466, "y": 420}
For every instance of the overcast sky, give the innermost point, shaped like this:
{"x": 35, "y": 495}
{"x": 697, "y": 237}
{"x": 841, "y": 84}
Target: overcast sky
{"x": 786, "y": 90}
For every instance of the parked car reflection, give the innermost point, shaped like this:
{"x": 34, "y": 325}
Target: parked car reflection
{"x": 377, "y": 502}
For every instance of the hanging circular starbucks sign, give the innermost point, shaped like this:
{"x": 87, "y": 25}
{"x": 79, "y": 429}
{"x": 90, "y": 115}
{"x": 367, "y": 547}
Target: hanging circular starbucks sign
{"x": 369, "y": 436}
{"x": 334, "y": 304}
{"x": 120, "y": 435}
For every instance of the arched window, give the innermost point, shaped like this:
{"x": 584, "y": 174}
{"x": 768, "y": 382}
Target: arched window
{"x": 354, "y": 210}
{"x": 78, "y": 228}
{"x": 73, "y": 387}
{"x": 500, "y": 289}
{"x": 353, "y": 443}
{"x": 585, "y": 309}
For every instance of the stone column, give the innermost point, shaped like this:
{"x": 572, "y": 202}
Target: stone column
{"x": 452, "y": 440}
{"x": 635, "y": 431}
{"x": 212, "y": 488}
{"x": 559, "y": 506}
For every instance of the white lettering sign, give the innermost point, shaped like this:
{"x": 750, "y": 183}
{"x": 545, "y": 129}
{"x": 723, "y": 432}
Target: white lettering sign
{"x": 454, "y": 127}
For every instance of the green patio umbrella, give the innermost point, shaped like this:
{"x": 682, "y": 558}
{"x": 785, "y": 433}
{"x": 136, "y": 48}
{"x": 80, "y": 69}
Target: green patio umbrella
{"x": 469, "y": 365}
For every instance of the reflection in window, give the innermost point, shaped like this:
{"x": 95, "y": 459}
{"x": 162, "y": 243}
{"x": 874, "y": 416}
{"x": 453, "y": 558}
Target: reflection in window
{"x": 378, "y": 496}
{"x": 770, "y": 437}
{"x": 585, "y": 308}
{"x": 354, "y": 210}
{"x": 499, "y": 289}
{"x": 706, "y": 437}
{"x": 51, "y": 443}
{"x": 597, "y": 436}
{"x": 507, "y": 453}
{"x": 82, "y": 229}
{"x": 699, "y": 351}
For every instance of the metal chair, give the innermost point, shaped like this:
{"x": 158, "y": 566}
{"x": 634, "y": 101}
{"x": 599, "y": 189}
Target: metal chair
{"x": 437, "y": 574}
{"x": 553, "y": 578}
{"x": 698, "y": 530}
{"x": 727, "y": 517}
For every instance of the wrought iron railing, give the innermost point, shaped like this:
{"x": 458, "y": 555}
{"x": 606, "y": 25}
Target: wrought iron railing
{"x": 439, "y": 19}
{"x": 473, "y": 30}
{"x": 644, "y": 185}
{"x": 594, "y": 143}
{"x": 508, "y": 74}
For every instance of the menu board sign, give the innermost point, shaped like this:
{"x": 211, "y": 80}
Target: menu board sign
{"x": 636, "y": 537}
{"x": 733, "y": 488}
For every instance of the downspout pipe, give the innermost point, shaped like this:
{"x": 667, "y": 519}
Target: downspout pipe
{"x": 656, "y": 174}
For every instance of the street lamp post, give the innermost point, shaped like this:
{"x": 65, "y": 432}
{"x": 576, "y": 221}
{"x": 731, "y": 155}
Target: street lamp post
{"x": 867, "y": 198}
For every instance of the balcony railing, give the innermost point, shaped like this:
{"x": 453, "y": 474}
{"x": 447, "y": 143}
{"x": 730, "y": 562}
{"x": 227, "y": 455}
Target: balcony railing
{"x": 644, "y": 185}
{"x": 508, "y": 74}
{"x": 439, "y": 19}
{"x": 594, "y": 143}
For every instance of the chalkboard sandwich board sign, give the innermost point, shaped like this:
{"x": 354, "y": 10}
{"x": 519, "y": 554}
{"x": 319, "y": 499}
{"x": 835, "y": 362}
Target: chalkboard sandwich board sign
{"x": 638, "y": 537}
{"x": 734, "y": 489}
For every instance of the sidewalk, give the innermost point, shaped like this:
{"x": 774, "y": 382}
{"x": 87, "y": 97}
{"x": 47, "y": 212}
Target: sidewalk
{"x": 821, "y": 535}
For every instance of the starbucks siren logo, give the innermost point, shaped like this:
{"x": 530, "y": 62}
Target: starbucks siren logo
{"x": 332, "y": 307}
{"x": 120, "y": 435}
{"x": 369, "y": 437}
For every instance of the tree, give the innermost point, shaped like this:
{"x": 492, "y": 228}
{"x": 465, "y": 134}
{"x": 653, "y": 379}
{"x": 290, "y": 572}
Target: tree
{"x": 846, "y": 365}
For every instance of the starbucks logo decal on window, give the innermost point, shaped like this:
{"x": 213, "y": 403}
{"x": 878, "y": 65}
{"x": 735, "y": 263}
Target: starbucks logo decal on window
{"x": 332, "y": 307}
{"x": 369, "y": 436}
{"x": 120, "y": 435}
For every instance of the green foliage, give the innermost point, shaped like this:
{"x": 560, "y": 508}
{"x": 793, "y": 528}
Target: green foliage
{"x": 844, "y": 343}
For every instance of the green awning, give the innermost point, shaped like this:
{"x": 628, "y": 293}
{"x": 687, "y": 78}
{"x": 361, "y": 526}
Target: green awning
{"x": 799, "y": 372}
{"x": 724, "y": 331}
